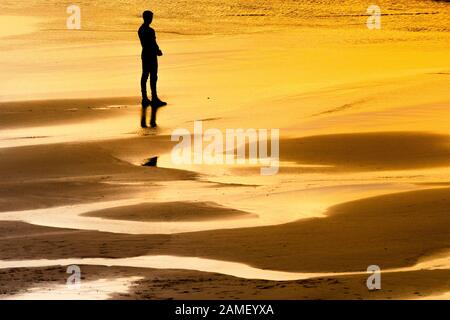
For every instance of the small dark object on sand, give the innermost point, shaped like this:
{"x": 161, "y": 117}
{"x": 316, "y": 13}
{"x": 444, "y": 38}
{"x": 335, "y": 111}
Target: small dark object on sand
{"x": 152, "y": 162}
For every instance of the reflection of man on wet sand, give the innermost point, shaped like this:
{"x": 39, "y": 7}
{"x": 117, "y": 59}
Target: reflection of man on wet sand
{"x": 149, "y": 56}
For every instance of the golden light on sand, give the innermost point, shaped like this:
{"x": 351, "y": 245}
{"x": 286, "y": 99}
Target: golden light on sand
{"x": 364, "y": 150}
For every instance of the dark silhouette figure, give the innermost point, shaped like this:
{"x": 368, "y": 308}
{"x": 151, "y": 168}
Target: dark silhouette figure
{"x": 149, "y": 56}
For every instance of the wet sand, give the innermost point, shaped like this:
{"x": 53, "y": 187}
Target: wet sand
{"x": 378, "y": 151}
{"x": 363, "y": 180}
{"x": 169, "y": 211}
{"x": 180, "y": 284}
{"x": 344, "y": 237}
{"x": 33, "y": 113}
{"x": 347, "y": 239}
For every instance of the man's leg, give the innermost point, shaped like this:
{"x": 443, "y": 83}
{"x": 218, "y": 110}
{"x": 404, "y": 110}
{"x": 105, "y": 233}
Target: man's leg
{"x": 145, "y": 100}
{"x": 153, "y": 68}
{"x": 144, "y": 78}
{"x": 153, "y": 80}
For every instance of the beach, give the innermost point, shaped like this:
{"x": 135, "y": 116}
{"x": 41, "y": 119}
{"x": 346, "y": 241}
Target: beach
{"x": 364, "y": 152}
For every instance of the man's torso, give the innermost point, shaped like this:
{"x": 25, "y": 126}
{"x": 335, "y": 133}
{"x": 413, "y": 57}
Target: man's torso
{"x": 147, "y": 37}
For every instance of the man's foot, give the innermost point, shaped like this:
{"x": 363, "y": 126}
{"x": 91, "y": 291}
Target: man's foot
{"x": 153, "y": 124}
{"x": 143, "y": 124}
{"x": 158, "y": 103}
{"x": 146, "y": 102}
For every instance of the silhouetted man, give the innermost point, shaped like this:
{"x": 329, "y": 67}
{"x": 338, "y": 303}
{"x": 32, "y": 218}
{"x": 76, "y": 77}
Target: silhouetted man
{"x": 150, "y": 53}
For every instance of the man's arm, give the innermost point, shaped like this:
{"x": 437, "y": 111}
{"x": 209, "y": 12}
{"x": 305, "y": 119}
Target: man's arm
{"x": 158, "y": 50}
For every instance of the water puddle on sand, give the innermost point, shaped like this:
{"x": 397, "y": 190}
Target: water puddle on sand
{"x": 92, "y": 130}
{"x": 269, "y": 207}
{"x": 101, "y": 289}
{"x": 234, "y": 269}
{"x": 105, "y": 288}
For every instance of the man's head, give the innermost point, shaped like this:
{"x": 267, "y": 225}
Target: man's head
{"x": 148, "y": 17}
